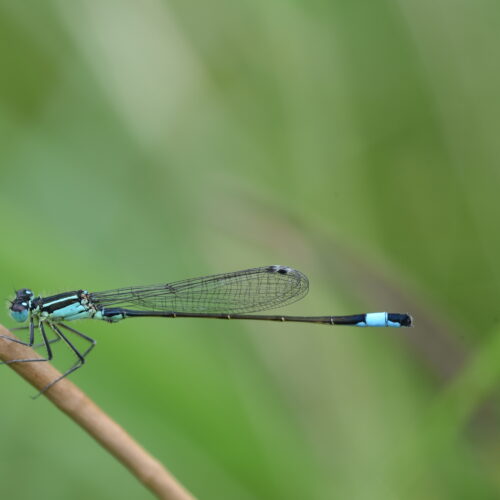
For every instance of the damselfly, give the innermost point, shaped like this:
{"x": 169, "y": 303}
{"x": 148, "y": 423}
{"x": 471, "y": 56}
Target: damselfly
{"x": 221, "y": 296}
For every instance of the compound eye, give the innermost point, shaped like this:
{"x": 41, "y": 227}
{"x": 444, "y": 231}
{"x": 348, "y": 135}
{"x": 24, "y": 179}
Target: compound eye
{"x": 19, "y": 312}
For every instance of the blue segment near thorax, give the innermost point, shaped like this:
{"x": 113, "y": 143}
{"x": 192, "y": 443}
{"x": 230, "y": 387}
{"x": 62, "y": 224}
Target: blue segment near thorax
{"x": 108, "y": 315}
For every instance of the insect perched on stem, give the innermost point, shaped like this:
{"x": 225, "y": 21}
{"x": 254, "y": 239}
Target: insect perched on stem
{"x": 233, "y": 295}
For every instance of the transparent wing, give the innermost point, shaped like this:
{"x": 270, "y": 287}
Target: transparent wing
{"x": 247, "y": 291}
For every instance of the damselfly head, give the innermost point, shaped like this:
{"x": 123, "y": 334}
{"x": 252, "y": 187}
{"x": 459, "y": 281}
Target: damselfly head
{"x": 19, "y": 307}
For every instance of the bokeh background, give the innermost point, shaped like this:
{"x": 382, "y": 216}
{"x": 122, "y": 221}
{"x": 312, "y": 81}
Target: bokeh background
{"x": 152, "y": 141}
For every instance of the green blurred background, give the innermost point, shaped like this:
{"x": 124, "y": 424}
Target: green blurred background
{"x": 153, "y": 141}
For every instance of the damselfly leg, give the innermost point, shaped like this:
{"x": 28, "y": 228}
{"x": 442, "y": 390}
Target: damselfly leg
{"x": 80, "y": 356}
{"x": 31, "y": 341}
{"x": 46, "y": 343}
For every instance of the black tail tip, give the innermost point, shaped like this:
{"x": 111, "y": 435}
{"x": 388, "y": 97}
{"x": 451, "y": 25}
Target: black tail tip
{"x": 402, "y": 319}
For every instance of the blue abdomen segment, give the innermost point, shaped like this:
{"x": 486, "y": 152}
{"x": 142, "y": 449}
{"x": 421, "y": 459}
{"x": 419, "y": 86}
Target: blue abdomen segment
{"x": 385, "y": 319}
{"x": 110, "y": 314}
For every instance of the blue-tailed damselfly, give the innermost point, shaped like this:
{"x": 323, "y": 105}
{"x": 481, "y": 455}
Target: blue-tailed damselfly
{"x": 222, "y": 296}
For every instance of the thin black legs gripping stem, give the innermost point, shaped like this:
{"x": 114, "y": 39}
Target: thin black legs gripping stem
{"x": 46, "y": 343}
{"x": 80, "y": 357}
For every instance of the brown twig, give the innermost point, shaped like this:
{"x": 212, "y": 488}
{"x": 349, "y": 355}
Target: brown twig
{"x": 72, "y": 401}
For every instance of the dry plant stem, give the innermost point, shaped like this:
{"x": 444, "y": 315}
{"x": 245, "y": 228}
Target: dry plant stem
{"x": 72, "y": 401}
